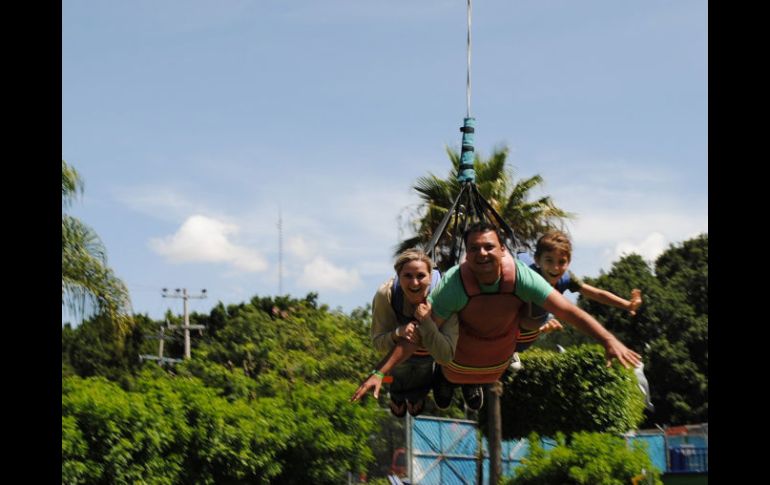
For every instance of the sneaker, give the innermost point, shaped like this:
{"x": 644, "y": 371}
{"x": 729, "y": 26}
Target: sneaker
{"x": 473, "y": 395}
{"x": 443, "y": 390}
{"x": 415, "y": 408}
{"x": 398, "y": 409}
{"x": 516, "y": 363}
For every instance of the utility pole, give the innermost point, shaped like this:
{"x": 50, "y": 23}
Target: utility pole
{"x": 184, "y": 296}
{"x": 161, "y": 337}
{"x": 494, "y": 391}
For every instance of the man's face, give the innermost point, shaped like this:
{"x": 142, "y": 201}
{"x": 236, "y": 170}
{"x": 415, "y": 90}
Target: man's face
{"x": 484, "y": 254}
{"x": 553, "y": 265}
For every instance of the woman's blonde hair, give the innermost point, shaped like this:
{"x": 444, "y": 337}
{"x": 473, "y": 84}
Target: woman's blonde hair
{"x": 412, "y": 255}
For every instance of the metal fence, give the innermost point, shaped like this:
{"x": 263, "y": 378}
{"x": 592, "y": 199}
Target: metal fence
{"x": 446, "y": 451}
{"x": 688, "y": 459}
{"x": 452, "y": 452}
{"x": 443, "y": 451}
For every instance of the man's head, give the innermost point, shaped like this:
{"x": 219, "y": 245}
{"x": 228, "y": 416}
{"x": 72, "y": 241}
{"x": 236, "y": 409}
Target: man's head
{"x": 553, "y": 255}
{"x": 484, "y": 251}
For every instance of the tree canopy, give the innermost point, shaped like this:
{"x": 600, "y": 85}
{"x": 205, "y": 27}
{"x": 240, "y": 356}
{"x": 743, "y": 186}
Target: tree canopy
{"x": 267, "y": 389}
{"x": 670, "y": 329}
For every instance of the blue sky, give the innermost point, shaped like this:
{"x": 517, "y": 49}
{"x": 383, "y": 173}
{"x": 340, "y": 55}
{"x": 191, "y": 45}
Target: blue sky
{"x": 194, "y": 122}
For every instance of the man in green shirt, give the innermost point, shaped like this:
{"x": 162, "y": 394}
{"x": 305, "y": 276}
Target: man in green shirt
{"x": 487, "y": 291}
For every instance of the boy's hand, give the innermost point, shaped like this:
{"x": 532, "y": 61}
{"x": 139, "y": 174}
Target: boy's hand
{"x": 551, "y": 325}
{"x": 636, "y": 301}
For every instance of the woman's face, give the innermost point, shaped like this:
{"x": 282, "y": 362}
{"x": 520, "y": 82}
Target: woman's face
{"x": 414, "y": 279}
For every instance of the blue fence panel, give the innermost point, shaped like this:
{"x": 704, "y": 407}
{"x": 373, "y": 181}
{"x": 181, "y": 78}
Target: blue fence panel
{"x": 688, "y": 459}
{"x": 656, "y": 449}
{"x": 444, "y": 451}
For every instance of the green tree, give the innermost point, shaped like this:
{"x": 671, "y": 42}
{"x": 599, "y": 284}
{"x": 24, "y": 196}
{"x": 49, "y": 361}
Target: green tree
{"x": 528, "y": 218}
{"x": 90, "y": 349}
{"x": 587, "y": 459}
{"x": 89, "y": 286}
{"x": 268, "y": 390}
{"x": 670, "y": 329}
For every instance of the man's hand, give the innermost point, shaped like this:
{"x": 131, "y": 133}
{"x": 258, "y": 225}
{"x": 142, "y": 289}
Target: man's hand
{"x": 614, "y": 348}
{"x": 636, "y": 301}
{"x": 422, "y": 311}
{"x": 373, "y": 381}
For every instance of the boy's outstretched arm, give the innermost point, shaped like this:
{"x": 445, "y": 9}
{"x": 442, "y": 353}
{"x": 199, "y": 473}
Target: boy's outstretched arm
{"x": 608, "y": 298}
{"x": 614, "y": 348}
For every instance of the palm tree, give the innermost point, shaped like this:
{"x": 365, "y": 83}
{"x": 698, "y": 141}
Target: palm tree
{"x": 88, "y": 286}
{"x": 529, "y": 219}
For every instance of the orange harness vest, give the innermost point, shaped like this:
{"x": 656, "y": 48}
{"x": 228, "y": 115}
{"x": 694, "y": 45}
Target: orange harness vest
{"x": 489, "y": 328}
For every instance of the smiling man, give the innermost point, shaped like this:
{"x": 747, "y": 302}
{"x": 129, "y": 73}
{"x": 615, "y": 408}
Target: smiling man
{"x": 487, "y": 292}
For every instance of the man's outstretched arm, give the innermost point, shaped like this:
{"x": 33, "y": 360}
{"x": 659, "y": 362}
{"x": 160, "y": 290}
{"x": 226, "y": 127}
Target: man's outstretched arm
{"x": 614, "y": 348}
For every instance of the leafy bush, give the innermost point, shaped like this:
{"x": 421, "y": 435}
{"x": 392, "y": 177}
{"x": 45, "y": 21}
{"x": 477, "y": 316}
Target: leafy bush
{"x": 112, "y": 436}
{"x": 167, "y": 431}
{"x": 264, "y": 399}
{"x": 588, "y": 459}
{"x": 569, "y": 392}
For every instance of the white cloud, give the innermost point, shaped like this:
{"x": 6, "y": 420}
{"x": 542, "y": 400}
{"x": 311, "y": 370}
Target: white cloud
{"x": 160, "y": 202}
{"x": 649, "y": 248}
{"x": 322, "y": 274}
{"x": 609, "y": 228}
{"x": 297, "y": 246}
{"x": 201, "y": 239}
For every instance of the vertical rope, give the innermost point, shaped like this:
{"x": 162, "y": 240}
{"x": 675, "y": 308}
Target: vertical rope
{"x": 466, "y": 173}
{"x": 468, "y": 79}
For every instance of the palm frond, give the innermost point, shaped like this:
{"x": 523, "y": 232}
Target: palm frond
{"x": 496, "y": 184}
{"x": 71, "y": 184}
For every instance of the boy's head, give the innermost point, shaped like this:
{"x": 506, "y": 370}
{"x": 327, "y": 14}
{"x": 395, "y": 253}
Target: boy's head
{"x": 553, "y": 254}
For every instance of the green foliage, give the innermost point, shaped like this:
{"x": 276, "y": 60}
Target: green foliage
{"x": 90, "y": 349}
{"x": 110, "y": 436}
{"x": 670, "y": 329}
{"x": 588, "y": 459}
{"x": 278, "y": 341}
{"x": 569, "y": 392}
{"x": 167, "y": 431}
{"x": 685, "y": 267}
{"x": 263, "y": 400}
{"x": 330, "y": 434}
